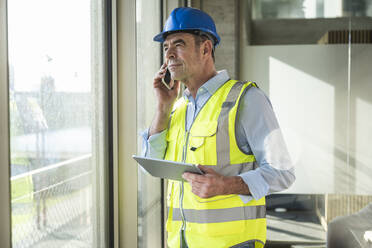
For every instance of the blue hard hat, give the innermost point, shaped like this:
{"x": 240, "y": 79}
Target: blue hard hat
{"x": 187, "y": 19}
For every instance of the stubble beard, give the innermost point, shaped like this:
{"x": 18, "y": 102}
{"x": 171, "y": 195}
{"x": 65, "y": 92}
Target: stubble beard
{"x": 179, "y": 73}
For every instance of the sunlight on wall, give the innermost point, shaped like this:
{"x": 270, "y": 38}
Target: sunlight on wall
{"x": 363, "y": 157}
{"x": 306, "y": 115}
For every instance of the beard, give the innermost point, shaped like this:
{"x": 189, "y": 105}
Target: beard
{"x": 177, "y": 70}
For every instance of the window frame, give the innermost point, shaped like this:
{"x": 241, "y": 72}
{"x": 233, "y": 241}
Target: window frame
{"x": 125, "y": 121}
{"x": 5, "y": 210}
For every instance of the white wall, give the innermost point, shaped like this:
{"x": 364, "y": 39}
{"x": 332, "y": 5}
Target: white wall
{"x": 308, "y": 87}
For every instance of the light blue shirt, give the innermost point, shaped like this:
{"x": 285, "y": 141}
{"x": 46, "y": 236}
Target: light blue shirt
{"x": 257, "y": 132}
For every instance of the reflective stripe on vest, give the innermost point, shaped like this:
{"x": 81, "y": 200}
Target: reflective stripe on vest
{"x": 220, "y": 215}
{"x": 222, "y": 137}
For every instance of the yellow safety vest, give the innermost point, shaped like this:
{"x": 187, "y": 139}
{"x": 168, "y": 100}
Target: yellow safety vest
{"x": 220, "y": 221}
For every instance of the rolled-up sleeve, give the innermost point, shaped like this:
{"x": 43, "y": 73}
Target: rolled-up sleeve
{"x": 155, "y": 145}
{"x": 265, "y": 180}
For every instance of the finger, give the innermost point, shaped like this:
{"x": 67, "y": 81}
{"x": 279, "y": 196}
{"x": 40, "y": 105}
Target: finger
{"x": 196, "y": 186}
{"x": 192, "y": 177}
{"x": 160, "y": 74}
{"x": 162, "y": 69}
{"x": 164, "y": 65}
{"x": 207, "y": 170}
{"x": 157, "y": 83}
{"x": 158, "y": 77}
{"x": 200, "y": 190}
{"x": 161, "y": 86}
{"x": 188, "y": 177}
{"x": 196, "y": 190}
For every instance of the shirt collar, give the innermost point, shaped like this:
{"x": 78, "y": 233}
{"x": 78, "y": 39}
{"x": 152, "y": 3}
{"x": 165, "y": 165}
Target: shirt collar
{"x": 211, "y": 86}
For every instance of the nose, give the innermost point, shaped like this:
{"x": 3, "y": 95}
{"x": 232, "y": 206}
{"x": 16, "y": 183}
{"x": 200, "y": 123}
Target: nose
{"x": 170, "y": 53}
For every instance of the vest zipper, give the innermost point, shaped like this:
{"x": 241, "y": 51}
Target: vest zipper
{"x": 185, "y": 147}
{"x": 181, "y": 186}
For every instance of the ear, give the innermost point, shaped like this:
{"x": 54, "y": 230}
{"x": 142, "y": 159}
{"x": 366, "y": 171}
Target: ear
{"x": 207, "y": 47}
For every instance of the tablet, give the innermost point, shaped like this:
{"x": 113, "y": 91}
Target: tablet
{"x": 166, "y": 169}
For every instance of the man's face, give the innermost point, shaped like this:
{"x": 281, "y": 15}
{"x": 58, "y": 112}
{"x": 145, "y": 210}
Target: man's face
{"x": 182, "y": 56}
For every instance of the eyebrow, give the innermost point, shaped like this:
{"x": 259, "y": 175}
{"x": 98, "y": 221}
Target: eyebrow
{"x": 175, "y": 42}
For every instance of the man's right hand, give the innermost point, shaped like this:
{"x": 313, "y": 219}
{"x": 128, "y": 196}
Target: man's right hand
{"x": 165, "y": 97}
{"x": 165, "y": 100}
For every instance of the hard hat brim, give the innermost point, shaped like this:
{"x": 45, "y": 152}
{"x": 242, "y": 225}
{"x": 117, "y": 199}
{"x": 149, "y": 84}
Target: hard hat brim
{"x": 162, "y": 36}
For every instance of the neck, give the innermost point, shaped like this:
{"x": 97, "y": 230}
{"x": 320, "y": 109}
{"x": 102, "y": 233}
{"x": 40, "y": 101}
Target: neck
{"x": 194, "y": 83}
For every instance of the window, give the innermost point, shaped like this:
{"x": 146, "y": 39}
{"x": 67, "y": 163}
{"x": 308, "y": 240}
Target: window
{"x": 57, "y": 101}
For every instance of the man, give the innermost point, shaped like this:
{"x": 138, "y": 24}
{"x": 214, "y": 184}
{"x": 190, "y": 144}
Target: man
{"x": 226, "y": 127}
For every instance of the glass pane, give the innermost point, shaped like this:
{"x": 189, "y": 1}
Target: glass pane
{"x": 315, "y": 67}
{"x": 148, "y": 62}
{"x": 56, "y": 102}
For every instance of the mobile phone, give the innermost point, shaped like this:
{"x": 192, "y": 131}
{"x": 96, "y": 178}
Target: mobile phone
{"x": 167, "y": 79}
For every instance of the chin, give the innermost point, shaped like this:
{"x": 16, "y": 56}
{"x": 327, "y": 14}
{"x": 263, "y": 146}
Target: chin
{"x": 176, "y": 76}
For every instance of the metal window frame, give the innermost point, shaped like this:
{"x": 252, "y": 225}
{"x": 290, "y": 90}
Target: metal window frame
{"x": 5, "y": 212}
{"x": 113, "y": 132}
{"x": 125, "y": 121}
{"x": 112, "y": 190}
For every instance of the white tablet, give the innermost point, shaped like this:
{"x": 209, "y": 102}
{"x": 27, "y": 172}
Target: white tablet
{"x": 166, "y": 169}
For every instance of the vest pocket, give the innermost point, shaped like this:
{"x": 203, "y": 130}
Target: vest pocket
{"x": 173, "y": 148}
{"x": 202, "y": 144}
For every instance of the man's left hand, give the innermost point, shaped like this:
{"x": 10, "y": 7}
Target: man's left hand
{"x": 212, "y": 183}
{"x": 207, "y": 185}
